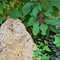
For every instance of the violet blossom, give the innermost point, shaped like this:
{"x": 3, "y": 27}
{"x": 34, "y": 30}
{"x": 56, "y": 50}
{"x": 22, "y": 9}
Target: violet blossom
{"x": 41, "y": 20}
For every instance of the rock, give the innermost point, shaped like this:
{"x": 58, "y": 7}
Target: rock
{"x": 15, "y": 41}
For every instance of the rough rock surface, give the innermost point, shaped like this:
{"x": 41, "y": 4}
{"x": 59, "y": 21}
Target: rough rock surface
{"x": 15, "y": 41}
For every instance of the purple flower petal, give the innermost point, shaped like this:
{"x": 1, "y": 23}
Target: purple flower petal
{"x": 41, "y": 20}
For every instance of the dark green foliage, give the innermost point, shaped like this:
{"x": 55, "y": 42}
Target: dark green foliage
{"x": 42, "y": 20}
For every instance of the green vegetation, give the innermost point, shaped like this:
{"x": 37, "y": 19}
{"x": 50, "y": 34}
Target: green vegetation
{"x": 42, "y": 20}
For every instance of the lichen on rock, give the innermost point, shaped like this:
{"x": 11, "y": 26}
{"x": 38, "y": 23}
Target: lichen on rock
{"x": 15, "y": 42}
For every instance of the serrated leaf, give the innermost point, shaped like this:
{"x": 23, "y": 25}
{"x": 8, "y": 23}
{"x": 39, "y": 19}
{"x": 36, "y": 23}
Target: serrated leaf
{"x": 31, "y": 21}
{"x": 57, "y": 41}
{"x": 35, "y": 28}
{"x": 1, "y": 8}
{"x": 46, "y": 48}
{"x": 39, "y": 7}
{"x": 48, "y": 6}
{"x": 37, "y": 53}
{"x": 26, "y": 8}
{"x": 52, "y": 28}
{"x": 48, "y": 14}
{"x": 49, "y": 9}
{"x": 41, "y": 44}
{"x": 45, "y": 57}
{"x": 34, "y": 12}
{"x": 0, "y": 20}
{"x": 56, "y": 3}
{"x": 43, "y": 29}
{"x": 14, "y": 13}
{"x": 54, "y": 22}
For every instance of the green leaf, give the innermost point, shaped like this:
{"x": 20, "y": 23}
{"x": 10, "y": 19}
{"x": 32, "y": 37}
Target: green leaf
{"x": 48, "y": 10}
{"x": 21, "y": 17}
{"x": 25, "y": 23}
{"x": 24, "y": 1}
{"x": 46, "y": 48}
{"x": 33, "y": 0}
{"x": 31, "y": 21}
{"x": 1, "y": 8}
{"x": 43, "y": 29}
{"x": 55, "y": 11}
{"x": 46, "y": 42}
{"x": 45, "y": 57}
{"x": 37, "y": 53}
{"x": 34, "y": 12}
{"x": 14, "y": 13}
{"x": 57, "y": 41}
{"x": 41, "y": 44}
{"x": 52, "y": 28}
{"x": 58, "y": 58}
{"x": 39, "y": 7}
{"x": 54, "y": 22}
{"x": 3, "y": 0}
{"x": 56, "y": 3}
{"x": 48, "y": 6}
{"x": 35, "y": 28}
{"x": 0, "y": 20}
{"x": 48, "y": 14}
{"x": 26, "y": 8}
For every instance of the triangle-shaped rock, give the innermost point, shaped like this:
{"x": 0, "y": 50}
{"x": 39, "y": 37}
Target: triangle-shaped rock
{"x": 15, "y": 41}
